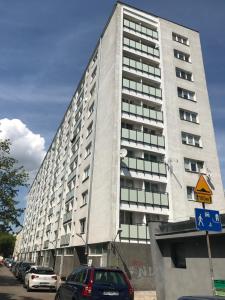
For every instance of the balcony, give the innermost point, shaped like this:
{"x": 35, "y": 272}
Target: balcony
{"x": 140, "y": 111}
{"x": 70, "y": 195}
{"x": 143, "y": 138}
{"x": 71, "y": 175}
{"x": 67, "y": 216}
{"x": 142, "y": 68}
{"x": 46, "y": 244}
{"x": 145, "y": 166}
{"x": 48, "y": 228}
{"x": 135, "y": 232}
{"x": 50, "y": 212}
{"x": 142, "y": 197}
{"x": 135, "y": 27}
{"x": 65, "y": 240}
{"x": 141, "y": 89}
{"x": 140, "y": 48}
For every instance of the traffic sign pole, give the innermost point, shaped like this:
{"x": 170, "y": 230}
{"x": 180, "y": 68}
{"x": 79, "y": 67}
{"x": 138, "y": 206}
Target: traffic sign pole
{"x": 210, "y": 258}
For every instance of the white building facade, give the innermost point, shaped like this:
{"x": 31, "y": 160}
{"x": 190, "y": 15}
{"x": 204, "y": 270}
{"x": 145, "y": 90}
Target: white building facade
{"x": 143, "y": 91}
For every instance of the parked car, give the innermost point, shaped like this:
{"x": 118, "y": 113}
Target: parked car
{"x": 40, "y": 278}
{"x": 96, "y": 283}
{"x": 8, "y": 262}
{"x": 16, "y": 268}
{"x": 200, "y": 298}
{"x": 23, "y": 267}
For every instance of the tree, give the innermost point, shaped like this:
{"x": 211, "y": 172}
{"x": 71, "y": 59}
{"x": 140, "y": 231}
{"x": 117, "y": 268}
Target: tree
{"x": 12, "y": 177}
{"x": 7, "y": 243}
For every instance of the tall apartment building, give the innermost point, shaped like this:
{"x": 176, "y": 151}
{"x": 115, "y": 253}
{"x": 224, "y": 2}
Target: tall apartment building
{"x": 130, "y": 148}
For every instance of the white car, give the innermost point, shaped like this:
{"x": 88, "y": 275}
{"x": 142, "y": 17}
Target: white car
{"x": 40, "y": 278}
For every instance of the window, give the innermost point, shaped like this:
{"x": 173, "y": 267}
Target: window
{"x": 180, "y": 39}
{"x": 184, "y": 74}
{"x": 126, "y": 217}
{"x": 190, "y": 193}
{"x": 92, "y": 91}
{"x": 89, "y": 129}
{"x": 182, "y": 93}
{"x": 86, "y": 173}
{"x": 190, "y": 139}
{"x": 88, "y": 150}
{"x": 137, "y": 46}
{"x": 84, "y": 198}
{"x": 188, "y": 116}
{"x": 192, "y": 165}
{"x": 93, "y": 75}
{"x": 181, "y": 55}
{"x": 140, "y": 66}
{"x": 69, "y": 251}
{"x": 82, "y": 225}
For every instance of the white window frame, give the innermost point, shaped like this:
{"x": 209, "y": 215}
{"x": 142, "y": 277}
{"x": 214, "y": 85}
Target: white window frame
{"x": 192, "y": 194}
{"x": 185, "y": 114}
{"x": 86, "y": 173}
{"x": 196, "y": 140}
{"x": 182, "y": 55}
{"x": 192, "y": 165}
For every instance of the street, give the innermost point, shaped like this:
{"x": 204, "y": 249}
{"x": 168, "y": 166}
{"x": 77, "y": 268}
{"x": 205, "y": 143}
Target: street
{"x": 12, "y": 289}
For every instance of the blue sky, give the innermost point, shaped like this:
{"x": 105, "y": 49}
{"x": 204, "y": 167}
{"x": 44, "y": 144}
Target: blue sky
{"x": 46, "y": 44}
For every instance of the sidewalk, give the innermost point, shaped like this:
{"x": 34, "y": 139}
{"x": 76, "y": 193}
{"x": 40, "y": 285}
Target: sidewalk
{"x": 145, "y": 295}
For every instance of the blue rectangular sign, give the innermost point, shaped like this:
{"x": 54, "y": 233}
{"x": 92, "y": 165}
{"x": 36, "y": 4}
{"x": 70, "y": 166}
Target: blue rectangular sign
{"x": 206, "y": 219}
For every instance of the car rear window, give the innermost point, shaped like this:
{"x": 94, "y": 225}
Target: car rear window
{"x": 43, "y": 271}
{"x": 108, "y": 276}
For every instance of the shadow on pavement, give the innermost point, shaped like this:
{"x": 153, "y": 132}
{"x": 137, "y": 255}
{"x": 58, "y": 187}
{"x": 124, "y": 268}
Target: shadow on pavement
{"x": 8, "y": 281}
{"x": 4, "y": 296}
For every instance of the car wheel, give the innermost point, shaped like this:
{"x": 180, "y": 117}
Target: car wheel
{"x": 28, "y": 287}
{"x": 57, "y": 297}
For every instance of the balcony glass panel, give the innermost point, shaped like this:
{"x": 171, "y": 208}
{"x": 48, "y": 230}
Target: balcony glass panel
{"x": 125, "y": 106}
{"x": 125, "y": 231}
{"x": 149, "y": 198}
{"x": 155, "y": 167}
{"x": 162, "y": 169}
{"x": 164, "y": 200}
{"x": 124, "y": 194}
{"x": 156, "y": 198}
{"x": 140, "y": 164}
{"x": 133, "y": 231}
{"x": 161, "y": 141}
{"x": 154, "y": 139}
{"x": 141, "y": 196}
{"x": 125, "y": 133}
{"x": 133, "y": 135}
{"x": 132, "y": 108}
{"x": 133, "y": 196}
{"x": 148, "y": 166}
{"x": 147, "y": 138}
{"x": 146, "y": 112}
{"x": 132, "y": 163}
{"x": 142, "y": 230}
{"x": 153, "y": 114}
{"x": 139, "y": 110}
{"x": 139, "y": 136}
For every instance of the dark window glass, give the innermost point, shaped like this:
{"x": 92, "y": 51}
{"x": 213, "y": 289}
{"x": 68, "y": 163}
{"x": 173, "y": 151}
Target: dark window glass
{"x": 105, "y": 276}
{"x": 178, "y": 255}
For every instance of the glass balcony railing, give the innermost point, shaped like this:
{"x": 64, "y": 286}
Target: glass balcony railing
{"x": 70, "y": 195}
{"x": 48, "y": 228}
{"x": 67, "y": 216}
{"x": 146, "y": 113}
{"x": 140, "y": 88}
{"x": 134, "y": 232}
{"x": 140, "y": 47}
{"x": 143, "y": 138}
{"x": 142, "y": 197}
{"x": 65, "y": 239}
{"x": 46, "y": 244}
{"x": 139, "y": 28}
{"x": 50, "y": 212}
{"x": 145, "y": 166}
{"x": 141, "y": 67}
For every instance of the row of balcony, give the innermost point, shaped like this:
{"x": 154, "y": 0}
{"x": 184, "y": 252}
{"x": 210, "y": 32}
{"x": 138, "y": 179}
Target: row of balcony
{"x": 141, "y": 67}
{"x": 134, "y": 232}
{"x": 142, "y": 197}
{"x": 141, "y": 29}
{"x": 143, "y": 112}
{"x": 70, "y": 195}
{"x": 140, "y": 47}
{"x": 144, "y": 138}
{"x": 141, "y": 88}
{"x": 145, "y": 166}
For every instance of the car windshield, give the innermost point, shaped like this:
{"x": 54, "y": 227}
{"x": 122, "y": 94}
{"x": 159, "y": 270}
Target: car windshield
{"x": 108, "y": 276}
{"x": 43, "y": 271}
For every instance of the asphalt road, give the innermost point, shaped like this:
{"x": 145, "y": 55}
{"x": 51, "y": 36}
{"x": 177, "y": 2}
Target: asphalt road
{"x": 12, "y": 289}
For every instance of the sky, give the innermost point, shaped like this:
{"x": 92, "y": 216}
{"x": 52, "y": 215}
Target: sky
{"x": 46, "y": 45}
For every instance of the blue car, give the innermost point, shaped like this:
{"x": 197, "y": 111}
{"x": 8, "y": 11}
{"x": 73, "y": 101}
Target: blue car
{"x": 96, "y": 283}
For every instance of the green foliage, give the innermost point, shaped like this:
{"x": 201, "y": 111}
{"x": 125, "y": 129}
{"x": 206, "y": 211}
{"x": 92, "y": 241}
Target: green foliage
{"x": 11, "y": 178}
{"x": 7, "y": 243}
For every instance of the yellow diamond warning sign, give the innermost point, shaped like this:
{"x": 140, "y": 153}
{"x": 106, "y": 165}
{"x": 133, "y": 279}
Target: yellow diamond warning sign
{"x": 202, "y": 191}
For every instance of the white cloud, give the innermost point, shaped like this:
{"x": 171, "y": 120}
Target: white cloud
{"x": 27, "y": 147}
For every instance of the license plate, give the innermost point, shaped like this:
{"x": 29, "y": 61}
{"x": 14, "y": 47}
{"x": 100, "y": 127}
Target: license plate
{"x": 44, "y": 283}
{"x": 107, "y": 293}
